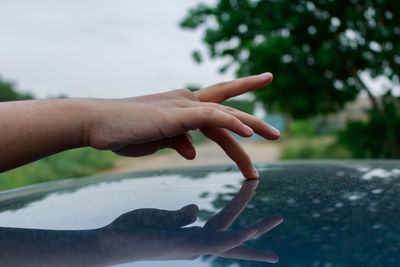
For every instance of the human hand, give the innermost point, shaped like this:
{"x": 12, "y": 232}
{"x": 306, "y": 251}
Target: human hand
{"x": 142, "y": 125}
{"x": 152, "y": 234}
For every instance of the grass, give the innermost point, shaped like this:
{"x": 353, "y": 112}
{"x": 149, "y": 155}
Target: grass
{"x": 312, "y": 147}
{"x": 86, "y": 161}
{"x": 72, "y": 163}
{"x": 69, "y": 164}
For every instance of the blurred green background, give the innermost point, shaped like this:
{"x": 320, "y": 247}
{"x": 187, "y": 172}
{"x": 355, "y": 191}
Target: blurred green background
{"x": 322, "y": 54}
{"x": 325, "y": 56}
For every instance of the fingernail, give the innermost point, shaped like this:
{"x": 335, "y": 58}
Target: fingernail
{"x": 248, "y": 130}
{"x": 255, "y": 173}
{"x": 272, "y": 260}
{"x": 265, "y": 76}
{"x": 276, "y": 131}
{"x": 190, "y": 138}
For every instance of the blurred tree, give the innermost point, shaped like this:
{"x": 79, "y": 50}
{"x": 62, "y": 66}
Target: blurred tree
{"x": 247, "y": 106}
{"x": 379, "y": 136}
{"x": 8, "y": 92}
{"x": 317, "y": 49}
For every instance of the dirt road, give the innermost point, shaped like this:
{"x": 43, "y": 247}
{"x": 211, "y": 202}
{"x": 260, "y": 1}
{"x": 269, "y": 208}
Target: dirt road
{"x": 208, "y": 154}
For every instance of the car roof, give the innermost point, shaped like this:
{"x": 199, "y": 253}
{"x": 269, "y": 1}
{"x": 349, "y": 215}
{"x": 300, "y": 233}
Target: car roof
{"x": 343, "y": 212}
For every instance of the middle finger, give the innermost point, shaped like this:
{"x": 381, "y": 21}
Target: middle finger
{"x": 259, "y": 126}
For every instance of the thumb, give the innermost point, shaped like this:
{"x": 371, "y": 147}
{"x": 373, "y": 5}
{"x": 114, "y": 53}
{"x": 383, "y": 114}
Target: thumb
{"x": 156, "y": 218}
{"x": 183, "y": 145}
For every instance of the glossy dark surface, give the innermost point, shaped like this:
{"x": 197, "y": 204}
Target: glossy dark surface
{"x": 336, "y": 213}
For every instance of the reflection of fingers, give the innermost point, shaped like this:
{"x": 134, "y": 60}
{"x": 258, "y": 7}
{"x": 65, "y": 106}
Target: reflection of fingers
{"x": 259, "y": 126}
{"x": 246, "y": 253}
{"x": 220, "y": 92}
{"x": 223, "y": 241}
{"x": 223, "y": 219}
{"x": 183, "y": 145}
{"x": 267, "y": 224}
{"x": 212, "y": 117}
{"x": 197, "y": 241}
{"x": 191, "y": 258}
{"x": 233, "y": 149}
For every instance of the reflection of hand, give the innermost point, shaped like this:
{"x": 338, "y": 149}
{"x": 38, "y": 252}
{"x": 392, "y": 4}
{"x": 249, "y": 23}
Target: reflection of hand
{"x": 143, "y": 234}
{"x": 142, "y": 125}
{"x": 151, "y": 234}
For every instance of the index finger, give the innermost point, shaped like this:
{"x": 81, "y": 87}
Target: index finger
{"x": 253, "y": 254}
{"x": 222, "y": 91}
{"x": 223, "y": 219}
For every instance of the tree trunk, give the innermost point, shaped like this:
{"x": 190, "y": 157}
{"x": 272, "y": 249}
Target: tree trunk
{"x": 372, "y": 98}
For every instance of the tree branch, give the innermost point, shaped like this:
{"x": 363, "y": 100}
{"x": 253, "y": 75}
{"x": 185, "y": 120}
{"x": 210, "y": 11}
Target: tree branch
{"x": 366, "y": 89}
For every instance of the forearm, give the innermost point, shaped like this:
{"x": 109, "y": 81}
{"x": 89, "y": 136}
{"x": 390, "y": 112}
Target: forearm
{"x": 34, "y": 247}
{"x": 138, "y": 126}
{"x": 93, "y": 247}
{"x": 34, "y": 129}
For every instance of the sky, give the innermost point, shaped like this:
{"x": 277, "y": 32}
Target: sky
{"x": 104, "y": 48}
{"x": 101, "y": 48}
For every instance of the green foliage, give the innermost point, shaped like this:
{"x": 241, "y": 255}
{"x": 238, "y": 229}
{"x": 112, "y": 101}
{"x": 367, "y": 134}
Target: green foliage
{"x": 72, "y": 163}
{"x": 8, "y": 92}
{"x": 197, "y": 56}
{"x": 316, "y": 49}
{"x": 301, "y": 128}
{"x": 321, "y": 147}
{"x": 379, "y": 137}
{"x": 241, "y": 104}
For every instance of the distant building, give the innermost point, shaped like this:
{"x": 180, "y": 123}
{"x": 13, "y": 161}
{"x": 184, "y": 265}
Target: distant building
{"x": 355, "y": 110}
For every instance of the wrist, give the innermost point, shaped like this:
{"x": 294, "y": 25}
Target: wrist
{"x": 94, "y": 129}
{"x": 74, "y": 121}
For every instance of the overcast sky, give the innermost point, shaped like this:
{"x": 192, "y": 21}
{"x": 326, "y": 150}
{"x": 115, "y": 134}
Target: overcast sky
{"x": 103, "y": 48}
{"x": 100, "y": 48}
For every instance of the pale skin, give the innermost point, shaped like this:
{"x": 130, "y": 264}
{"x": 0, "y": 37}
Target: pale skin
{"x": 136, "y": 126}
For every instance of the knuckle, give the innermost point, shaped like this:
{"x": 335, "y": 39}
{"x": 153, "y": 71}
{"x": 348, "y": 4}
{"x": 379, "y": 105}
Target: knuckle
{"x": 233, "y": 121}
{"x": 187, "y": 94}
{"x": 230, "y": 109}
{"x": 208, "y": 111}
{"x": 178, "y": 92}
{"x": 224, "y": 89}
{"x": 184, "y": 91}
